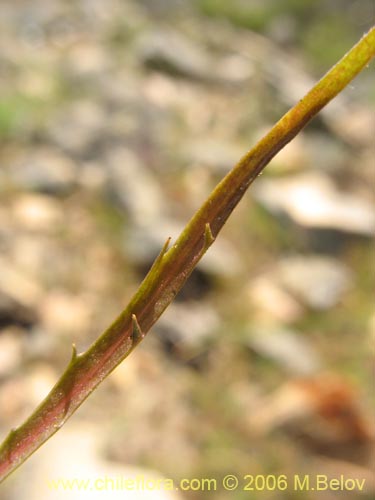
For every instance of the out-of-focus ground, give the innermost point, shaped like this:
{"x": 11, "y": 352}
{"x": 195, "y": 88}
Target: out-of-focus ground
{"x": 117, "y": 118}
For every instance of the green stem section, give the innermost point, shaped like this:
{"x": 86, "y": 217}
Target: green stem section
{"x": 171, "y": 269}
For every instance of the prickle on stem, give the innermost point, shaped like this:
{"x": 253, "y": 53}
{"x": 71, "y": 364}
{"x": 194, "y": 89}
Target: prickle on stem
{"x": 137, "y": 333}
{"x": 74, "y": 353}
{"x": 159, "y": 258}
{"x": 208, "y": 237}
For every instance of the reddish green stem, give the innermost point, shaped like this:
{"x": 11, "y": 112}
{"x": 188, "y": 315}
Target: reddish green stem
{"x": 171, "y": 269}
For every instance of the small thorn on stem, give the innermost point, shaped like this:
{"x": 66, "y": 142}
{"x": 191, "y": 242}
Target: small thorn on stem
{"x": 159, "y": 258}
{"x": 137, "y": 333}
{"x": 74, "y": 353}
{"x": 208, "y": 237}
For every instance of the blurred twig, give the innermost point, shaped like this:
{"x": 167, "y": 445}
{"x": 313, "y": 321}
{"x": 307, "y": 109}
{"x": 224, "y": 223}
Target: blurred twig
{"x": 171, "y": 269}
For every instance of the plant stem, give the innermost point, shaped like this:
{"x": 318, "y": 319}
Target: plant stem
{"x": 171, "y": 269}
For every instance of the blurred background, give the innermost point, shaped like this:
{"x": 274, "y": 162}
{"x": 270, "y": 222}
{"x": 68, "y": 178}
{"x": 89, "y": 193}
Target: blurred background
{"x": 117, "y": 119}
